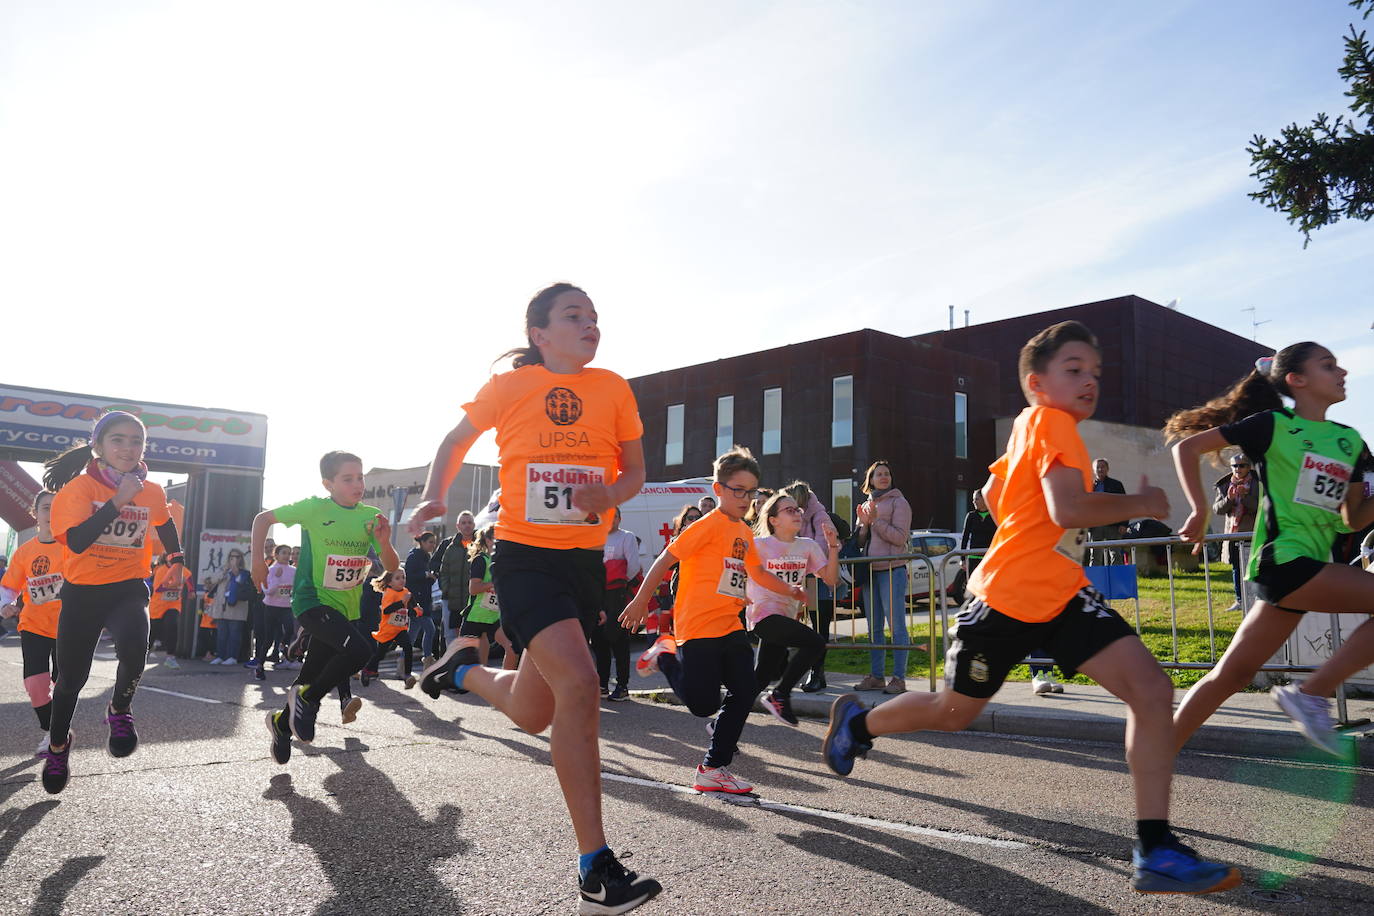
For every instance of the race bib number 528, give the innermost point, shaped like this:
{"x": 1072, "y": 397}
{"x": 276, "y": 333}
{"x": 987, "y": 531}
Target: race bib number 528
{"x": 1322, "y": 482}
{"x": 343, "y": 574}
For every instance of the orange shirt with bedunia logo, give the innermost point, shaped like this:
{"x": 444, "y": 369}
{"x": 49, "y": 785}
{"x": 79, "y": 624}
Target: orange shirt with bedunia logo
{"x": 35, "y": 571}
{"x": 553, "y": 433}
{"x": 713, "y": 555}
{"x": 1034, "y": 566}
{"x": 123, "y": 550}
{"x": 395, "y": 622}
{"x": 167, "y": 597}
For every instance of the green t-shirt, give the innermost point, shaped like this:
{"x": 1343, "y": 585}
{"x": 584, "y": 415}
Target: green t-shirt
{"x": 483, "y": 608}
{"x": 334, "y": 545}
{"x": 1305, "y": 469}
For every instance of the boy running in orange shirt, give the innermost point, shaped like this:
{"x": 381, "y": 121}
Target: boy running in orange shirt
{"x": 711, "y": 649}
{"x": 1031, "y": 591}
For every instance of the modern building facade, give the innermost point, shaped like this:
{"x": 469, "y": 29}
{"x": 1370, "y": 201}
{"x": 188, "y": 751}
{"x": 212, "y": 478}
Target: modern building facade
{"x": 823, "y": 410}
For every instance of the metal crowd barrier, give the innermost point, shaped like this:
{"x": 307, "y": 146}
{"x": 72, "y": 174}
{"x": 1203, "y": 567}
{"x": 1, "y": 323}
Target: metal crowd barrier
{"x": 939, "y": 567}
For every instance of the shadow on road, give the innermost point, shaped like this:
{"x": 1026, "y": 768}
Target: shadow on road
{"x": 371, "y": 841}
{"x": 52, "y": 893}
{"x": 19, "y": 821}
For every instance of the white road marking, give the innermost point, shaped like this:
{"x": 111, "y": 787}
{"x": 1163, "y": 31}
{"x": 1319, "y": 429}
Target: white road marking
{"x": 836, "y": 816}
{"x": 184, "y": 696}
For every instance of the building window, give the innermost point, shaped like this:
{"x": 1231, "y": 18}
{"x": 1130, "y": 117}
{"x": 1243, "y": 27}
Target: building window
{"x": 672, "y": 450}
{"x": 842, "y": 498}
{"x": 772, "y": 421}
{"x": 962, "y": 507}
{"x": 960, "y": 425}
{"x": 725, "y": 424}
{"x": 842, "y": 411}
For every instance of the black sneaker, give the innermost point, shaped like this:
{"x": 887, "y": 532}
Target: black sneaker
{"x": 55, "y": 772}
{"x": 609, "y": 889}
{"x": 281, "y": 736}
{"x": 780, "y": 706}
{"x": 259, "y": 673}
{"x": 302, "y": 715}
{"x": 814, "y": 684}
{"x": 438, "y": 677}
{"x": 123, "y": 738}
{"x": 619, "y": 694}
{"x": 365, "y": 677}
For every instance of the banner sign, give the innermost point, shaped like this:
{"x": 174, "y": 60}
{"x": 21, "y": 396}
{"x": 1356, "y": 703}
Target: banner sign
{"x": 17, "y": 490}
{"x": 45, "y": 422}
{"x": 213, "y": 556}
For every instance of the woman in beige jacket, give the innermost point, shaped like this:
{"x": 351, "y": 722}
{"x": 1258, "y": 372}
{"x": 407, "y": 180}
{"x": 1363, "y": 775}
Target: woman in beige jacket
{"x": 885, "y": 531}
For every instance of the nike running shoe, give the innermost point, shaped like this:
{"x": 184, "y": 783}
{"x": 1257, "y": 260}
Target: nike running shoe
{"x": 840, "y": 748}
{"x": 55, "y": 771}
{"x": 123, "y": 738}
{"x": 719, "y": 779}
{"x": 1173, "y": 868}
{"x": 302, "y": 715}
{"x": 608, "y": 889}
{"x": 780, "y": 707}
{"x": 280, "y": 747}
{"x": 648, "y": 662}
{"x": 438, "y": 677}
{"x": 1312, "y": 715}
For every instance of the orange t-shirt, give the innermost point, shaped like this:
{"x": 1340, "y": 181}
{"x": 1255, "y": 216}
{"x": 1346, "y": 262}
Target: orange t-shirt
{"x": 123, "y": 551}
{"x": 713, "y": 556}
{"x": 554, "y": 432}
{"x": 1033, "y": 567}
{"x": 395, "y": 622}
{"x": 35, "y": 571}
{"x": 166, "y": 598}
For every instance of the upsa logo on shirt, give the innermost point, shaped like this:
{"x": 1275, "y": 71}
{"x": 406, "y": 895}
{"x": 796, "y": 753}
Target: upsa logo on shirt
{"x": 739, "y": 549}
{"x": 563, "y": 406}
{"x": 40, "y": 566}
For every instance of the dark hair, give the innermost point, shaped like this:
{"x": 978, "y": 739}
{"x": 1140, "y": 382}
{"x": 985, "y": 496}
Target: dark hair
{"x": 680, "y": 520}
{"x": 1257, "y": 391}
{"x": 481, "y": 538}
{"x": 1040, "y": 349}
{"x": 37, "y": 496}
{"x": 62, "y": 468}
{"x": 763, "y": 524}
{"x": 868, "y": 474}
{"x": 332, "y": 461}
{"x": 279, "y": 548}
{"x": 537, "y": 316}
{"x": 426, "y": 536}
{"x": 762, "y": 496}
{"x": 732, "y": 462}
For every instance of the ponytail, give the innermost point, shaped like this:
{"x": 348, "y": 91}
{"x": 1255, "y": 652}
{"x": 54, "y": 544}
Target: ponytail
{"x": 1263, "y": 388}
{"x": 537, "y": 316}
{"x": 59, "y": 470}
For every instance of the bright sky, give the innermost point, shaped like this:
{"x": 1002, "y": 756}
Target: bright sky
{"x": 334, "y": 213}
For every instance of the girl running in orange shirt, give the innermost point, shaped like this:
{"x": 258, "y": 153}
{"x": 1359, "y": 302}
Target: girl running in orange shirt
{"x": 394, "y": 629}
{"x": 570, "y": 452}
{"x": 35, "y": 574}
{"x": 102, "y": 515}
{"x": 164, "y": 608}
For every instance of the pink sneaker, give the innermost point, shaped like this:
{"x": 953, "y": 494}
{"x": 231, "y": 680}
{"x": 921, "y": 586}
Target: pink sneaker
{"x": 648, "y": 662}
{"x": 719, "y": 779}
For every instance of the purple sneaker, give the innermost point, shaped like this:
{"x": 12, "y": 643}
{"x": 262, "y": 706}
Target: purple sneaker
{"x": 123, "y": 738}
{"x": 55, "y": 771}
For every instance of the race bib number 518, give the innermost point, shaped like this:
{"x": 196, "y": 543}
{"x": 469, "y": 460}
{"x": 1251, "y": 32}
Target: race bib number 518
{"x": 549, "y": 490}
{"x": 343, "y": 574}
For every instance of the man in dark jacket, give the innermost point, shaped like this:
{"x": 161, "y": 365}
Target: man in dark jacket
{"x": 979, "y": 527}
{"x": 450, "y": 566}
{"x": 1103, "y": 483}
{"x": 418, "y": 582}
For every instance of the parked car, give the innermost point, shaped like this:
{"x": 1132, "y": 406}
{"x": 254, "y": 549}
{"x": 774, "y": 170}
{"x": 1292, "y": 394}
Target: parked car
{"x": 935, "y": 544}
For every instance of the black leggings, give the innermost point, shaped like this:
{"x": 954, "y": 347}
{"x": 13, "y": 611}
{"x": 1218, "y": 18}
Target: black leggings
{"x": 121, "y": 608}
{"x": 777, "y": 633}
{"x": 337, "y": 650}
{"x": 165, "y": 629}
{"x": 698, "y": 671}
{"x": 611, "y": 640}
{"x": 40, "y": 660}
{"x": 402, "y": 639}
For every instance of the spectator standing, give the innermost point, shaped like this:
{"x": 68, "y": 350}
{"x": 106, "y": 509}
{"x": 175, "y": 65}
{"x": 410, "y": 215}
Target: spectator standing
{"x": 885, "y": 531}
{"x": 706, "y": 504}
{"x": 233, "y": 591}
{"x": 1237, "y": 500}
{"x": 418, "y": 578}
{"x": 979, "y": 527}
{"x": 1104, "y": 483}
{"x": 611, "y": 640}
{"x": 814, "y": 519}
{"x": 453, "y": 572}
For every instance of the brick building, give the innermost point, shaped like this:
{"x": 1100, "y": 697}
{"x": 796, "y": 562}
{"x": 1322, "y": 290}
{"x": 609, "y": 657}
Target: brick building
{"x": 822, "y": 410}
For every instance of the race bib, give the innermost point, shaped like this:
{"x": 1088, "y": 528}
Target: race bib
{"x": 169, "y": 594}
{"x": 791, "y": 570}
{"x": 732, "y": 578}
{"x": 282, "y": 591}
{"x": 344, "y": 573}
{"x": 43, "y": 589}
{"x": 128, "y": 530}
{"x": 400, "y": 619}
{"x": 1071, "y": 544}
{"x": 1322, "y": 482}
{"x": 549, "y": 489}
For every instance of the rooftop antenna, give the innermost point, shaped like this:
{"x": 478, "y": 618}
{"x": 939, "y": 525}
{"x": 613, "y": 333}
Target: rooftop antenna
{"x": 1173, "y": 304}
{"x": 965, "y": 317}
{"x": 1254, "y": 325}
{"x": 951, "y": 317}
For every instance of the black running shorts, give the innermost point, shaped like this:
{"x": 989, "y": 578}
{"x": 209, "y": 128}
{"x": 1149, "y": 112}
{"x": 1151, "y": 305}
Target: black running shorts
{"x": 1276, "y": 581}
{"x": 537, "y": 587}
{"x": 987, "y": 644}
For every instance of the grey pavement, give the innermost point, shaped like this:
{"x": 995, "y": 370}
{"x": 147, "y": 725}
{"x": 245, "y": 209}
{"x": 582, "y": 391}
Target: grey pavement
{"x": 443, "y": 807}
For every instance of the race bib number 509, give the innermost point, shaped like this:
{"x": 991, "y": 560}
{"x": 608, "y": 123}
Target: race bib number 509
{"x": 549, "y": 490}
{"x": 128, "y": 529}
{"x": 342, "y": 574}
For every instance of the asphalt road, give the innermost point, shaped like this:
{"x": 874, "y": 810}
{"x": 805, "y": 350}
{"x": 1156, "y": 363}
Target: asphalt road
{"x": 444, "y": 807}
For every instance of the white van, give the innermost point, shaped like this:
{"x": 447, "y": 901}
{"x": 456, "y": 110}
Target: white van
{"x": 935, "y": 544}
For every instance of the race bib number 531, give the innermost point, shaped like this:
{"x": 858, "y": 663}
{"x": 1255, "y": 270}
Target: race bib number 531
{"x": 1322, "y": 482}
{"x": 342, "y": 574}
{"x": 549, "y": 490}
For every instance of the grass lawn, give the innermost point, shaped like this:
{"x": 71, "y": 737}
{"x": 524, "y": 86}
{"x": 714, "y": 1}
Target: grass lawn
{"x": 1194, "y": 643}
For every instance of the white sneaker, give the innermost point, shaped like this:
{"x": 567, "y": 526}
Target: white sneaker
{"x": 42, "y": 745}
{"x": 1041, "y": 685}
{"x": 1312, "y": 715}
{"x": 719, "y": 779}
{"x": 231, "y": 661}
{"x": 171, "y": 662}
{"x": 217, "y": 661}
